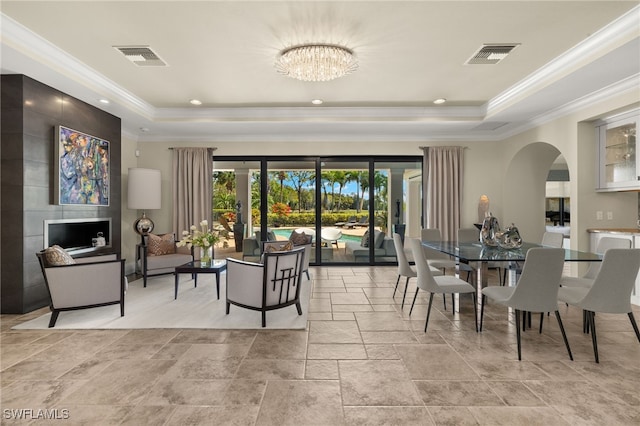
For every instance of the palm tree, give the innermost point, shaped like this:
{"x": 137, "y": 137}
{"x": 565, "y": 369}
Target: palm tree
{"x": 380, "y": 183}
{"x": 364, "y": 187}
{"x": 282, "y": 176}
{"x": 298, "y": 179}
{"x": 330, "y": 178}
{"x": 226, "y": 180}
{"x": 340, "y": 177}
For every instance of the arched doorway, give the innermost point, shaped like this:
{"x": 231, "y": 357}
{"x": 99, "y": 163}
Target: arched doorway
{"x": 525, "y": 187}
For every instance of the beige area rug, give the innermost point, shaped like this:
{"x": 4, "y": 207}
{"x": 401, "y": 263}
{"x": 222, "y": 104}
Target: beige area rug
{"x": 155, "y": 307}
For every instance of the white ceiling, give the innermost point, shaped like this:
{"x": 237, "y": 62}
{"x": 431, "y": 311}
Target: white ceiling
{"x": 410, "y": 53}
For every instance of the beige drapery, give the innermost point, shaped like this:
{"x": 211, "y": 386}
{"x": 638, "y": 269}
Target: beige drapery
{"x": 442, "y": 188}
{"x": 192, "y": 187}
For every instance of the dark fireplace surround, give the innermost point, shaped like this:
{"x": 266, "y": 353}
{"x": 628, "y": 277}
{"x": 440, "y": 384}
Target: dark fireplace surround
{"x": 30, "y": 111}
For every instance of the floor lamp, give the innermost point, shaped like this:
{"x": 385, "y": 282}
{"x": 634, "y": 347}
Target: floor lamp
{"x": 144, "y": 193}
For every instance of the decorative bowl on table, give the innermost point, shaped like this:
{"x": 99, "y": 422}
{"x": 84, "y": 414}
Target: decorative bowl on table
{"x": 509, "y": 239}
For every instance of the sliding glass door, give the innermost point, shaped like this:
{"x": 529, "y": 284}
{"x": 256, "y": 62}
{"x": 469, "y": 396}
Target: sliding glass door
{"x": 349, "y": 205}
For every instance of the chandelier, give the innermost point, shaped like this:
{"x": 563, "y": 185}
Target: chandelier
{"x": 316, "y": 62}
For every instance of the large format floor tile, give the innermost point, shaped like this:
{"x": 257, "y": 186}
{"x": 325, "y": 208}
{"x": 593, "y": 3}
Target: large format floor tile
{"x": 362, "y": 360}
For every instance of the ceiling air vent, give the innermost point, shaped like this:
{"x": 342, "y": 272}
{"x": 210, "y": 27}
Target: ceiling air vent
{"x": 490, "y": 125}
{"x": 142, "y": 56}
{"x": 490, "y": 54}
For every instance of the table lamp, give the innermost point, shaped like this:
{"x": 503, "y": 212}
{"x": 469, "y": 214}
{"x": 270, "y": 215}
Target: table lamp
{"x": 144, "y": 194}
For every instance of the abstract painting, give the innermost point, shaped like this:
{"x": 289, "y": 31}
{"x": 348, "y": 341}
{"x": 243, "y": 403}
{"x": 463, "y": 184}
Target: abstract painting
{"x": 82, "y": 168}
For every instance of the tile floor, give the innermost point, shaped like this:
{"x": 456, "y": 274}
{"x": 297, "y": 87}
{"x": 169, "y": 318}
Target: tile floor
{"x": 361, "y": 361}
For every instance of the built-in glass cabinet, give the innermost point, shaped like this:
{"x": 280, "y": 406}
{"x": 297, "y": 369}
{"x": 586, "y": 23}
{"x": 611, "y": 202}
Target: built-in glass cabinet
{"x": 618, "y": 159}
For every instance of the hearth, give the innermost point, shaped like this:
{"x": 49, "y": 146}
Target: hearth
{"x": 77, "y": 235}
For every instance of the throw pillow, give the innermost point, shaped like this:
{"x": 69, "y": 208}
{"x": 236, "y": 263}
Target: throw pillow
{"x": 378, "y": 239}
{"x": 271, "y": 248}
{"x": 159, "y": 245}
{"x": 57, "y": 256}
{"x": 300, "y": 238}
{"x": 365, "y": 239}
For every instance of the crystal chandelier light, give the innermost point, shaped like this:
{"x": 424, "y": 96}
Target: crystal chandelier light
{"x": 316, "y": 62}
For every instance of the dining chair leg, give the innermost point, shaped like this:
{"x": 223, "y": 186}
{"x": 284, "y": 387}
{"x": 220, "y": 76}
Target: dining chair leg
{"x": 524, "y": 320}
{"x": 414, "y": 301}
{"x": 564, "y": 335}
{"x": 481, "y": 296}
{"x": 585, "y": 322}
{"x": 518, "y": 333}
{"x": 541, "y": 319}
{"x": 444, "y": 301}
{"x": 396, "y": 289}
{"x": 426, "y": 323}
{"x": 453, "y": 303}
{"x": 406, "y": 286}
{"x": 635, "y": 325}
{"x": 592, "y": 326}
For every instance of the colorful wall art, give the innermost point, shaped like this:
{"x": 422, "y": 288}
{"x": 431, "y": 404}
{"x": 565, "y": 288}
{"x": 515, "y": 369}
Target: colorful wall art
{"x": 82, "y": 168}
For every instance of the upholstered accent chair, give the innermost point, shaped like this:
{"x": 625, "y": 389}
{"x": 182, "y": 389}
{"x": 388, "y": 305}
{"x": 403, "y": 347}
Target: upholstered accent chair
{"x": 158, "y": 254}
{"x": 81, "y": 283}
{"x": 252, "y": 246}
{"x": 273, "y": 284}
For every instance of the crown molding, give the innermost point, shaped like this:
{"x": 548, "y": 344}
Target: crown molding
{"x": 628, "y": 85}
{"x": 31, "y": 44}
{"x": 614, "y": 34}
{"x": 261, "y": 114}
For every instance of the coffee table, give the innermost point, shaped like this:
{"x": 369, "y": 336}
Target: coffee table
{"x": 194, "y": 268}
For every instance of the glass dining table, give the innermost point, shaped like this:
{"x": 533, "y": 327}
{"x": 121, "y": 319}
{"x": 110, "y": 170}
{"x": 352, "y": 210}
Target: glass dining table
{"x": 479, "y": 256}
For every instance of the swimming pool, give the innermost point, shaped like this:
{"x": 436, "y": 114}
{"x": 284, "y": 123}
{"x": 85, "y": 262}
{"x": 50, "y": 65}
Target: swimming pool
{"x": 284, "y": 233}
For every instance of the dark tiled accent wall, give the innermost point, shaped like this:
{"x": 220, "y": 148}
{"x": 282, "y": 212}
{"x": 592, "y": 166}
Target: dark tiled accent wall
{"x": 30, "y": 112}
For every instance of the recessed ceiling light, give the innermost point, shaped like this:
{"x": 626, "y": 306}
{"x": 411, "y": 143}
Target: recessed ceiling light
{"x": 144, "y": 129}
{"x": 103, "y": 101}
{"x": 317, "y": 101}
{"x": 439, "y": 101}
{"x": 195, "y": 102}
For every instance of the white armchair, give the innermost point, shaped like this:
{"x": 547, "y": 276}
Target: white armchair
{"x": 274, "y": 284}
{"x": 83, "y": 283}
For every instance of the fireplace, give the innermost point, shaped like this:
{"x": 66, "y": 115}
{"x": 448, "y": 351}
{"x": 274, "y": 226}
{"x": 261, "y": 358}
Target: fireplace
{"x": 76, "y": 235}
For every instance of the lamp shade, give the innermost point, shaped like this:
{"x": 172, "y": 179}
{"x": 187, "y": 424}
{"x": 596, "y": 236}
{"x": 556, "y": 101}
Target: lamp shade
{"x": 144, "y": 189}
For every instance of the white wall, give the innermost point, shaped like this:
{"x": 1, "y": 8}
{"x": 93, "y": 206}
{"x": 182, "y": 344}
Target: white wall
{"x": 129, "y": 237}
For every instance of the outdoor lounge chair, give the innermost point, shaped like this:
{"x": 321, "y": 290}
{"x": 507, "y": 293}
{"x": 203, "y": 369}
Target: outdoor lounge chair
{"x": 330, "y": 236}
{"x": 349, "y": 223}
{"x": 364, "y": 221}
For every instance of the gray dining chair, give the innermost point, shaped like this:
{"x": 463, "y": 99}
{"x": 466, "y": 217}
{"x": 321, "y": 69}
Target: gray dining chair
{"x": 552, "y": 239}
{"x": 610, "y": 292}
{"x": 437, "y": 284}
{"x": 404, "y": 269}
{"x": 587, "y": 279}
{"x": 438, "y": 259}
{"x": 536, "y": 291}
{"x": 549, "y": 239}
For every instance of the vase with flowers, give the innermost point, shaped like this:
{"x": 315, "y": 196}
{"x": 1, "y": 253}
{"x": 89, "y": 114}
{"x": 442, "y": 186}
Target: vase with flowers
{"x": 203, "y": 237}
